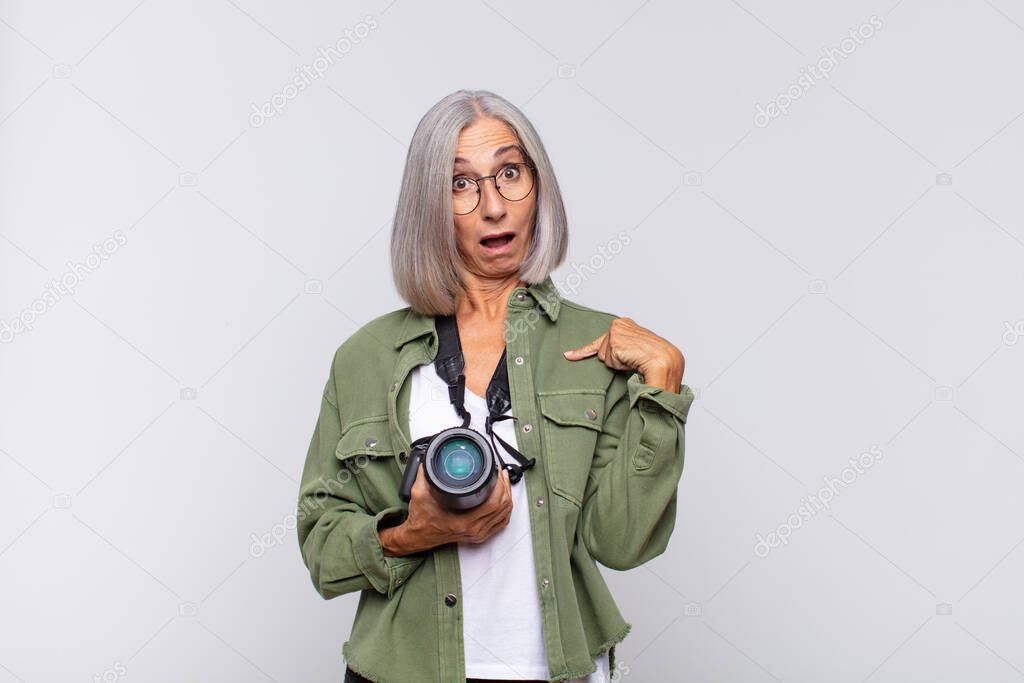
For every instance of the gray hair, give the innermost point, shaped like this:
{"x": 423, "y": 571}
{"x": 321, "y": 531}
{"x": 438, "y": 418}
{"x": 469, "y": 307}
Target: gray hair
{"x": 424, "y": 256}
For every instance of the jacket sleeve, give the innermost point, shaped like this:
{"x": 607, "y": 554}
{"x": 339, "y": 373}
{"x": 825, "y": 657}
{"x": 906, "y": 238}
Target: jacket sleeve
{"x": 338, "y": 536}
{"x": 629, "y": 504}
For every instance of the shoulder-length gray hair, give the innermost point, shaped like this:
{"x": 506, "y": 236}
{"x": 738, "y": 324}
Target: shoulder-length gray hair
{"x": 424, "y": 257}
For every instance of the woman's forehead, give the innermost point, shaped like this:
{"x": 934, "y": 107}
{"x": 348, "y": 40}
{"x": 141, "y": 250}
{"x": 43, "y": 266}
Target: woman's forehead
{"x": 484, "y": 137}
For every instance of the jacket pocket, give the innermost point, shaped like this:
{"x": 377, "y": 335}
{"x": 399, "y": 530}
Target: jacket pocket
{"x": 366, "y": 451}
{"x": 573, "y": 419}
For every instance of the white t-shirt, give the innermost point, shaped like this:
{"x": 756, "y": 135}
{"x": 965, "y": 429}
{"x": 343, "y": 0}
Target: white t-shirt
{"x": 502, "y": 627}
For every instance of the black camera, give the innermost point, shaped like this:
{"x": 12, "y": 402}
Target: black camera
{"x": 459, "y": 462}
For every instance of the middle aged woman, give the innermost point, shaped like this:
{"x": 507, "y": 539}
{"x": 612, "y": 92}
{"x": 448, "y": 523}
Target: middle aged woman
{"x": 591, "y": 433}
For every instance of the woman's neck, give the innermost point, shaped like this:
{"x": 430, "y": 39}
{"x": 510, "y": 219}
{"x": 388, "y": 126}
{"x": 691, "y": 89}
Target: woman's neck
{"x": 485, "y": 299}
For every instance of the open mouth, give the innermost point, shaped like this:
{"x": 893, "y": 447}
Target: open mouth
{"x": 498, "y": 241}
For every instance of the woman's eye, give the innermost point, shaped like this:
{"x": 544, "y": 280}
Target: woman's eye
{"x": 459, "y": 184}
{"x": 510, "y": 172}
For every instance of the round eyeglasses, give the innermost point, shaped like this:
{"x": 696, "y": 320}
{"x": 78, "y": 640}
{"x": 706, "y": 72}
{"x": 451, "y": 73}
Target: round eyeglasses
{"x": 514, "y": 182}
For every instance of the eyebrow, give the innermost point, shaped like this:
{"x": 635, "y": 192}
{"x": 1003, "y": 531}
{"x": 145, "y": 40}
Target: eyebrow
{"x": 497, "y": 153}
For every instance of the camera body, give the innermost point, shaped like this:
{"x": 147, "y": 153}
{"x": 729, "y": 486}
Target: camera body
{"x": 458, "y": 463}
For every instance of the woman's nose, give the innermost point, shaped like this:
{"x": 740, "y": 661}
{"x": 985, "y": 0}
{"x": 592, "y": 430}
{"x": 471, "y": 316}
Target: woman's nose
{"x": 492, "y": 204}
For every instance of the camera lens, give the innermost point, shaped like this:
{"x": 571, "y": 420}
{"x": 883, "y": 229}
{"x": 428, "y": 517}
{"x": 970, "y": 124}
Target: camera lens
{"x": 460, "y": 460}
{"x": 461, "y": 466}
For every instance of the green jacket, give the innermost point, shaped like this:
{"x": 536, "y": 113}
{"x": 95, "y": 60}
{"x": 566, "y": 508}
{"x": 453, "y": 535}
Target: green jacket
{"x": 609, "y": 452}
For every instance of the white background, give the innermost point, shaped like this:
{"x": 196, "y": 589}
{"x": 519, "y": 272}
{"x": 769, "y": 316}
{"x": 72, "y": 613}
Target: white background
{"x": 848, "y": 276}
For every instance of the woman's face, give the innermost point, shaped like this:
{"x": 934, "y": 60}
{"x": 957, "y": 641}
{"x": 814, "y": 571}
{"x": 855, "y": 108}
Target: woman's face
{"x": 485, "y": 147}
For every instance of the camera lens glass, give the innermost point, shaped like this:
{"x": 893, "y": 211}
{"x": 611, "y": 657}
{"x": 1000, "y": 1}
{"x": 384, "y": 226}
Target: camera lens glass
{"x": 459, "y": 462}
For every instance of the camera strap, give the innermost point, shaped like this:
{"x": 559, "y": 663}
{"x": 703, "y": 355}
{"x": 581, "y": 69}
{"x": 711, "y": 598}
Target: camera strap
{"x": 450, "y": 364}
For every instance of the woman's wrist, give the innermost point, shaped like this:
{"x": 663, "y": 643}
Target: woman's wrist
{"x": 392, "y": 541}
{"x": 665, "y": 370}
{"x": 666, "y": 377}
{"x": 396, "y": 541}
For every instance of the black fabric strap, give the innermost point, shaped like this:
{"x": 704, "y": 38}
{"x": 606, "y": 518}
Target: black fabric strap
{"x": 450, "y": 364}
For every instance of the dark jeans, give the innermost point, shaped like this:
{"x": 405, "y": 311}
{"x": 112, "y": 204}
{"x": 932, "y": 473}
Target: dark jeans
{"x": 352, "y": 677}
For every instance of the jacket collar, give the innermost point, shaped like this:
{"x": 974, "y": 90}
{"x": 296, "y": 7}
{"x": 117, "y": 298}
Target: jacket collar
{"x": 544, "y": 293}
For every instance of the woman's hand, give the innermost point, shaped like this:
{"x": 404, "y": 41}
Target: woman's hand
{"x": 627, "y": 346}
{"x": 429, "y": 524}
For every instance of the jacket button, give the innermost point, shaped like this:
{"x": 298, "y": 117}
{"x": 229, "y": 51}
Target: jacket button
{"x": 540, "y": 502}
{"x": 527, "y": 427}
{"x": 371, "y": 442}
{"x": 545, "y": 582}
{"x": 519, "y": 360}
{"x": 591, "y": 414}
{"x": 520, "y": 296}
{"x": 450, "y": 599}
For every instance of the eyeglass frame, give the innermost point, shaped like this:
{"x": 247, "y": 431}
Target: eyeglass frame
{"x": 497, "y": 188}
